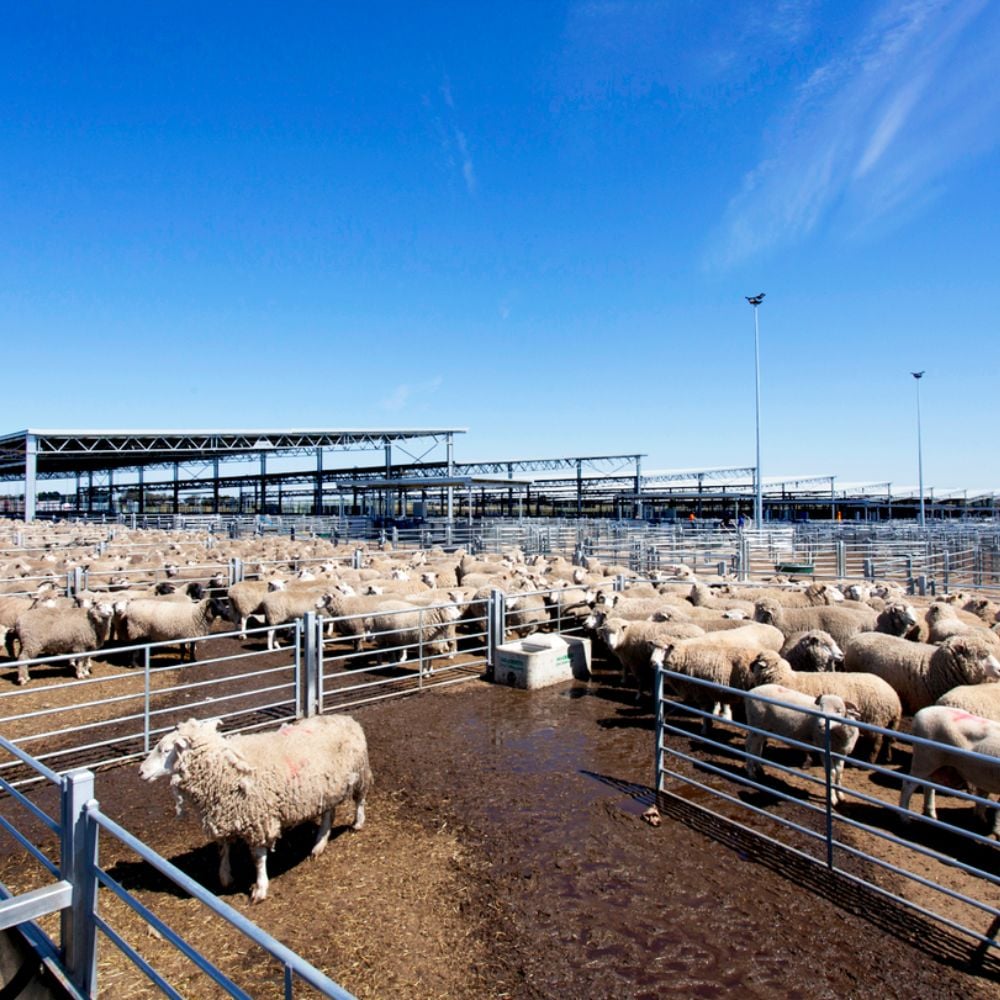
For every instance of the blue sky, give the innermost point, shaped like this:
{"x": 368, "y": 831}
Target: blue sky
{"x": 534, "y": 220}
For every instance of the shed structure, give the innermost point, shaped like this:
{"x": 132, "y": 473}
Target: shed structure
{"x": 32, "y": 455}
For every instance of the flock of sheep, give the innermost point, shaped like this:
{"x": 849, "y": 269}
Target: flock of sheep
{"x": 855, "y": 652}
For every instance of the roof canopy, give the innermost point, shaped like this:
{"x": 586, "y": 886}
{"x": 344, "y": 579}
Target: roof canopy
{"x": 63, "y": 454}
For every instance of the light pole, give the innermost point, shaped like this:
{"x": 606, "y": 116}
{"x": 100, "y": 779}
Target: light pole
{"x": 920, "y": 452}
{"x": 758, "y": 505}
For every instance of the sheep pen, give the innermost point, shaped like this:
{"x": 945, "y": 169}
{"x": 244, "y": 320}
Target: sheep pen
{"x": 451, "y": 890}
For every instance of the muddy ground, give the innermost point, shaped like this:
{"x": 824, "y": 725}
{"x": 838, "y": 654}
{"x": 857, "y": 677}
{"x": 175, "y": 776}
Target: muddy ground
{"x": 505, "y": 856}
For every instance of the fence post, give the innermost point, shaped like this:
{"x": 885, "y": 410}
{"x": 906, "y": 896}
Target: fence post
{"x": 356, "y": 559}
{"x": 619, "y": 583}
{"x": 145, "y": 700}
{"x": 946, "y": 568}
{"x": 869, "y": 569}
{"x": 309, "y": 664}
{"x": 496, "y": 622}
{"x": 827, "y": 766}
{"x": 658, "y": 762}
{"x": 841, "y": 554}
{"x": 77, "y": 862}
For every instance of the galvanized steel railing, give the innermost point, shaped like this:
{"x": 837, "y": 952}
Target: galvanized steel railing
{"x": 79, "y": 879}
{"x": 821, "y": 832}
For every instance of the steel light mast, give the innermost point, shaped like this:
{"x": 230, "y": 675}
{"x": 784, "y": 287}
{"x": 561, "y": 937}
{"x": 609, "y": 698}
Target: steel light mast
{"x": 920, "y": 451}
{"x": 758, "y": 507}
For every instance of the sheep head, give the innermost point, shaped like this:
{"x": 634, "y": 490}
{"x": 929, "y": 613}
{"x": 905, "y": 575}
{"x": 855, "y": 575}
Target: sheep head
{"x": 766, "y": 612}
{"x": 768, "y": 668}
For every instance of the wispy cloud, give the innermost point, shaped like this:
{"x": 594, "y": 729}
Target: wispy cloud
{"x": 453, "y": 139}
{"x": 405, "y": 393}
{"x": 875, "y": 128}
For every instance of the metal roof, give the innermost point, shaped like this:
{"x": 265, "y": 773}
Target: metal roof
{"x": 64, "y": 453}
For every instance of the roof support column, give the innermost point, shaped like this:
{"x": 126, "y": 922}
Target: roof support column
{"x": 177, "y": 487}
{"x": 90, "y": 491}
{"x": 142, "y": 490}
{"x": 450, "y": 501}
{"x": 111, "y": 491}
{"x": 637, "y": 502}
{"x": 388, "y": 499}
{"x": 215, "y": 485}
{"x": 833, "y": 500}
{"x": 579, "y": 487}
{"x": 30, "y": 476}
{"x": 262, "y": 509}
{"x": 318, "y": 502}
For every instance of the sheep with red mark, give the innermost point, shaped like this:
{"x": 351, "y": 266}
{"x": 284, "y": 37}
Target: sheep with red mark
{"x": 251, "y": 787}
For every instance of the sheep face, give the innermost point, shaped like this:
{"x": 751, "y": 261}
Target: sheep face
{"x": 767, "y": 668}
{"x": 164, "y": 758}
{"x": 766, "y": 612}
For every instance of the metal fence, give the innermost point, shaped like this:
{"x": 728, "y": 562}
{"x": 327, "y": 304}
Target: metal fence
{"x": 943, "y": 869}
{"x": 67, "y": 862}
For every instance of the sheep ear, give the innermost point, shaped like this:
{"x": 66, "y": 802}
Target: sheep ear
{"x": 853, "y": 712}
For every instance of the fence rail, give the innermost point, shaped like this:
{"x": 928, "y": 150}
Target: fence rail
{"x": 943, "y": 870}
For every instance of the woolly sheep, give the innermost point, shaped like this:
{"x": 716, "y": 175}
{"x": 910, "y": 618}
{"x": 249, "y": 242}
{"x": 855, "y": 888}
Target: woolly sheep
{"x": 54, "y": 631}
{"x": 707, "y": 660}
{"x": 814, "y": 650}
{"x": 398, "y": 626}
{"x": 897, "y": 618}
{"x": 252, "y": 787}
{"x": 283, "y": 606}
{"x": 954, "y": 728}
{"x": 788, "y": 721}
{"x": 943, "y": 622}
{"x": 631, "y": 643}
{"x": 159, "y": 620}
{"x": 877, "y": 703}
{"x": 841, "y": 623}
{"x": 920, "y": 673}
{"x": 245, "y": 600}
{"x": 976, "y": 699}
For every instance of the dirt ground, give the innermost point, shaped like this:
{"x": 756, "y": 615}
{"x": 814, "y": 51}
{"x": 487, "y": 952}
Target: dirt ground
{"x": 505, "y": 856}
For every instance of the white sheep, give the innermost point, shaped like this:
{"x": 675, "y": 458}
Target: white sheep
{"x": 788, "y": 721}
{"x": 954, "y": 728}
{"x": 921, "y": 673}
{"x": 724, "y": 664}
{"x": 976, "y": 699}
{"x": 632, "y": 644}
{"x": 252, "y": 787}
{"x": 876, "y": 702}
{"x": 840, "y": 622}
{"x": 54, "y": 631}
{"x": 158, "y": 620}
{"x": 398, "y": 626}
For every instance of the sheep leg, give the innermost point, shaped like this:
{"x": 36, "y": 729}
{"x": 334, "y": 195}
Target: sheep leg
{"x": 904, "y": 798}
{"x": 838, "y": 773}
{"x": 323, "y": 834}
{"x": 259, "y": 891}
{"x": 271, "y": 643}
{"x": 754, "y": 748}
{"x": 22, "y": 673}
{"x": 225, "y": 872}
{"x": 930, "y": 806}
{"x": 359, "y": 805}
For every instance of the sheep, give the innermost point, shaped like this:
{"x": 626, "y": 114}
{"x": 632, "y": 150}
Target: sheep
{"x": 943, "y": 622}
{"x": 53, "y": 631}
{"x": 921, "y": 673}
{"x": 954, "y": 728}
{"x": 399, "y": 624}
{"x": 287, "y": 604}
{"x": 787, "y": 721}
{"x": 841, "y": 623}
{"x": 983, "y": 608}
{"x": 814, "y": 650}
{"x": 245, "y": 600}
{"x": 897, "y": 618}
{"x": 252, "y": 787}
{"x": 701, "y": 596}
{"x": 728, "y": 665}
{"x": 165, "y": 621}
{"x": 877, "y": 703}
{"x": 526, "y": 613}
{"x": 976, "y": 699}
{"x": 631, "y": 643}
